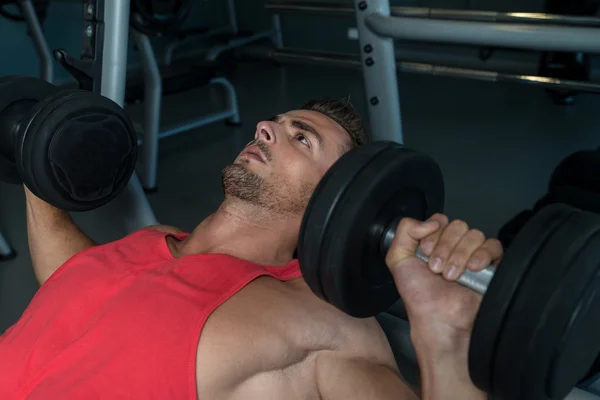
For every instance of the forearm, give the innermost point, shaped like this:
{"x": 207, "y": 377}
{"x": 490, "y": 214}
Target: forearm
{"x": 53, "y": 237}
{"x": 446, "y": 376}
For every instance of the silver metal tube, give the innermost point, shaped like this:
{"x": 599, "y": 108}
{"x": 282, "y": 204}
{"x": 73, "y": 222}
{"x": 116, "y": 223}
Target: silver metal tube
{"x": 346, "y": 9}
{"x": 114, "y": 56}
{"x": 5, "y": 249}
{"x": 379, "y": 73}
{"x": 348, "y": 60}
{"x": 39, "y": 40}
{"x": 539, "y": 37}
{"x": 132, "y": 204}
{"x": 476, "y": 281}
{"x": 152, "y": 102}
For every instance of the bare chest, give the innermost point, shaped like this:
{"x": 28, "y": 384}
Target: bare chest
{"x": 261, "y": 343}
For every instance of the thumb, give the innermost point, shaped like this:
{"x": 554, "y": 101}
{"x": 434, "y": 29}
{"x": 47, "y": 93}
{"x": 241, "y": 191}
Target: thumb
{"x": 406, "y": 241}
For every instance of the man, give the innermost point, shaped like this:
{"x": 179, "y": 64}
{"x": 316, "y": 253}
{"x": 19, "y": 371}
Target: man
{"x": 223, "y": 313}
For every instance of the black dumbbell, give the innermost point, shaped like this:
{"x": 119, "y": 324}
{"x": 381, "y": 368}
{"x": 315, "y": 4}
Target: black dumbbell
{"x": 72, "y": 148}
{"x": 535, "y": 335}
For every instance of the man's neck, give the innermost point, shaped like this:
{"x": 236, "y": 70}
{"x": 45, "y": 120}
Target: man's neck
{"x": 245, "y": 231}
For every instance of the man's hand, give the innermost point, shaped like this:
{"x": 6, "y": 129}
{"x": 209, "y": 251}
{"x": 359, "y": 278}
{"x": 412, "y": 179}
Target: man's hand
{"x": 441, "y": 312}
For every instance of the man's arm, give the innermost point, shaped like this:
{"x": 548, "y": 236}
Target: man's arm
{"x": 340, "y": 377}
{"x": 53, "y": 237}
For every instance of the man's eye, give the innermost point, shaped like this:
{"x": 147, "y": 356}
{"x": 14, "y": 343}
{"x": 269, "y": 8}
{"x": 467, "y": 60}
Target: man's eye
{"x": 302, "y": 137}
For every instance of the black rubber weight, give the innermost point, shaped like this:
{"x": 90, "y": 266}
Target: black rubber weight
{"x": 499, "y": 295}
{"x": 578, "y": 347}
{"x": 79, "y": 150}
{"x": 397, "y": 182}
{"x": 579, "y": 170}
{"x": 16, "y": 91}
{"x": 321, "y": 205}
{"x": 514, "y": 371}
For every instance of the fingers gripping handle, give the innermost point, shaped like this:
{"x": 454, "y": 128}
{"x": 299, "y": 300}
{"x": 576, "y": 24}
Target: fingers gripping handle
{"x": 476, "y": 281}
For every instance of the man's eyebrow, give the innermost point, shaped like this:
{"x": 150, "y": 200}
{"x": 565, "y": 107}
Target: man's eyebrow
{"x": 303, "y": 126}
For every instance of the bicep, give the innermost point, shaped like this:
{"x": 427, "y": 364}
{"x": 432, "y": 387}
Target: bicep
{"x": 346, "y": 378}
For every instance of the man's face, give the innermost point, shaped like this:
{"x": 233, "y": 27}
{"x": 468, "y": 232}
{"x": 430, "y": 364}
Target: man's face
{"x": 289, "y": 155}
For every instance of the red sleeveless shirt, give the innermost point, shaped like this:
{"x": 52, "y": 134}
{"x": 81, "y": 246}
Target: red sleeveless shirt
{"x": 121, "y": 321}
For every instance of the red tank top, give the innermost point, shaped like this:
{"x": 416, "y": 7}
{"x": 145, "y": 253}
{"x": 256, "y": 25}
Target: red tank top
{"x": 121, "y": 321}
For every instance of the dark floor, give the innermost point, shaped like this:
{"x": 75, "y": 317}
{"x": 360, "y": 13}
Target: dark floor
{"x": 496, "y": 144}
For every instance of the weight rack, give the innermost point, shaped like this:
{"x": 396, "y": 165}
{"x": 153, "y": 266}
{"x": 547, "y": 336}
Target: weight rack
{"x": 379, "y": 24}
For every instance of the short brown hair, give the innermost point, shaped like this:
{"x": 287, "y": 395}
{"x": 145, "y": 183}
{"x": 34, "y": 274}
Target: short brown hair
{"x": 344, "y": 113}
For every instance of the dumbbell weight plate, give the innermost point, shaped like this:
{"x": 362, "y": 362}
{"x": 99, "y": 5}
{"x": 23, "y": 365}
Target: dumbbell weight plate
{"x": 323, "y": 202}
{"x": 499, "y": 295}
{"x": 78, "y": 150}
{"x": 514, "y": 369}
{"x": 361, "y": 195}
{"x": 578, "y": 348}
{"x": 17, "y": 95}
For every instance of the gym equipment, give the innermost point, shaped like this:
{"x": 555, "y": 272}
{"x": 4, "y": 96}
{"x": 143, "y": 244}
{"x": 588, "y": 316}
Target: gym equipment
{"x": 102, "y": 70}
{"x": 175, "y": 78}
{"x": 567, "y": 65}
{"x": 378, "y": 25}
{"x": 580, "y": 169}
{"x": 40, "y": 8}
{"x": 535, "y": 335}
{"x": 33, "y": 14}
{"x": 158, "y": 17}
{"x": 74, "y": 149}
{"x": 574, "y": 182}
{"x": 227, "y": 37}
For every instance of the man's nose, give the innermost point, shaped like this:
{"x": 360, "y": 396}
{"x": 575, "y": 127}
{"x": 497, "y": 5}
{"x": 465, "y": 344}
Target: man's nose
{"x": 265, "y": 131}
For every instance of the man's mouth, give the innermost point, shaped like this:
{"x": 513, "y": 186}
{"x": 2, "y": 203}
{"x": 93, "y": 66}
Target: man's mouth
{"x": 254, "y": 152}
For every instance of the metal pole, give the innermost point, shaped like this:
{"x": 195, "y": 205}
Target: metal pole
{"x": 132, "y": 203}
{"x": 346, "y": 9}
{"x": 39, "y": 40}
{"x": 152, "y": 103}
{"x": 538, "y": 37}
{"x": 349, "y": 60}
{"x": 379, "y": 71}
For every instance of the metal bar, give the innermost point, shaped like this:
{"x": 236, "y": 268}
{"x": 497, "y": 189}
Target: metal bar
{"x": 379, "y": 73}
{"x": 547, "y": 38}
{"x": 39, "y": 40}
{"x": 346, "y": 9}
{"x": 349, "y": 60}
{"x": 152, "y": 102}
{"x": 205, "y": 120}
{"x": 311, "y": 7}
{"x": 132, "y": 204}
